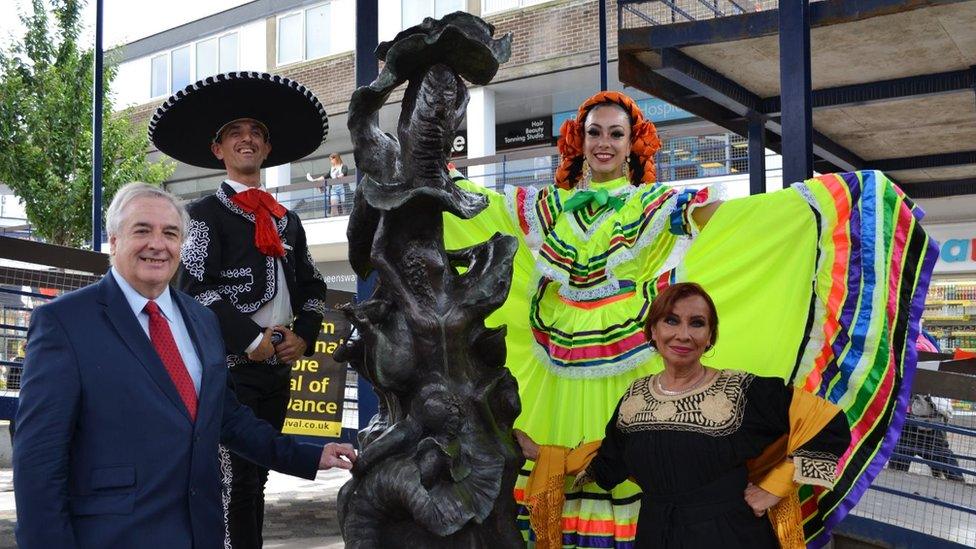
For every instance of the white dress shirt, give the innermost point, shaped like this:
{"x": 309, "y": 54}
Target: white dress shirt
{"x": 176, "y": 324}
{"x": 278, "y": 310}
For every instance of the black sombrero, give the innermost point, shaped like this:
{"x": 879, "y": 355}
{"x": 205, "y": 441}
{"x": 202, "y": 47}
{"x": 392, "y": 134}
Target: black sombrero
{"x": 185, "y": 124}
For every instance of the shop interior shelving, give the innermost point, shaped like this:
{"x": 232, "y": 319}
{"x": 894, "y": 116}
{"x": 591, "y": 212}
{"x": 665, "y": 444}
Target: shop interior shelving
{"x": 950, "y": 313}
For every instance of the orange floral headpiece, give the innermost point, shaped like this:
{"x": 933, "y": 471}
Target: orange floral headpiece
{"x": 644, "y": 141}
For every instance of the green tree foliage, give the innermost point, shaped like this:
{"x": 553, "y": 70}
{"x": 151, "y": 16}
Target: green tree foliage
{"x": 46, "y": 85}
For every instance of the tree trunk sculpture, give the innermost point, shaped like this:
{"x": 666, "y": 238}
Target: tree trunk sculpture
{"x": 437, "y": 465}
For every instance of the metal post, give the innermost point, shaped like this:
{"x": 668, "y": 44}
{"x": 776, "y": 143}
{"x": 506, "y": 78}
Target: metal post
{"x": 97, "y": 135}
{"x": 367, "y": 68}
{"x": 603, "y": 45}
{"x": 794, "y": 69}
{"x": 757, "y": 155}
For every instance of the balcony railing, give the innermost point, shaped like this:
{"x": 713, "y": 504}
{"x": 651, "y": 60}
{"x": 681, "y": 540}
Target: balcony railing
{"x": 643, "y": 13}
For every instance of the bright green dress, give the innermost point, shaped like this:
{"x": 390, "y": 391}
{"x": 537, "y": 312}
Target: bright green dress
{"x": 821, "y": 284}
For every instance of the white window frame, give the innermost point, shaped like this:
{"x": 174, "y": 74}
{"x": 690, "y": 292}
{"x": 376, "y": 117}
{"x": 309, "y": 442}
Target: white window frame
{"x": 519, "y": 4}
{"x": 237, "y": 50}
{"x": 302, "y": 12}
{"x": 278, "y": 18}
{"x": 404, "y": 25}
{"x": 166, "y": 88}
{"x": 168, "y": 55}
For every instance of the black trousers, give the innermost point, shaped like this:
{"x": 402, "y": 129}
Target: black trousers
{"x": 265, "y": 389}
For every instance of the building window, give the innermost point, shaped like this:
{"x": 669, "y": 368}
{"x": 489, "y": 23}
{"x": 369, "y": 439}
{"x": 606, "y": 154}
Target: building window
{"x": 314, "y": 32}
{"x": 290, "y": 38}
{"x": 317, "y": 35}
{"x": 207, "y": 57}
{"x": 414, "y": 11}
{"x": 176, "y": 69}
{"x": 160, "y": 75}
{"x": 492, "y": 6}
{"x": 180, "y": 68}
{"x": 228, "y": 54}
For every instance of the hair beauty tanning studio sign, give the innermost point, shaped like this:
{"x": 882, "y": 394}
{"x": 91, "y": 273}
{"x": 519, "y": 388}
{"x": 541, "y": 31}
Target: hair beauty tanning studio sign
{"x": 318, "y": 383}
{"x": 523, "y": 133}
{"x": 511, "y": 135}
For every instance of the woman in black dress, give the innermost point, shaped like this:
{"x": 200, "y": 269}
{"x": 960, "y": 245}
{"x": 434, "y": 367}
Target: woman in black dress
{"x": 712, "y": 450}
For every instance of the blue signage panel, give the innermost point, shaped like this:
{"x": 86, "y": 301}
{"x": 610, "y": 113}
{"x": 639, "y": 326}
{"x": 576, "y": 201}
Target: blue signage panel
{"x": 656, "y": 109}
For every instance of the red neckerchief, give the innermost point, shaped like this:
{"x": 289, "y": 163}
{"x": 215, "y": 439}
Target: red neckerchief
{"x": 263, "y": 206}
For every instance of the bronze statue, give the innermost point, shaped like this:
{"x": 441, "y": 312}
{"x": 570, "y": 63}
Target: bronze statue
{"x": 437, "y": 465}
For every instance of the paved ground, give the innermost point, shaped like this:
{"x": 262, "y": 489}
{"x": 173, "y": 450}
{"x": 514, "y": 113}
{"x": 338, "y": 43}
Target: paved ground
{"x": 299, "y": 514}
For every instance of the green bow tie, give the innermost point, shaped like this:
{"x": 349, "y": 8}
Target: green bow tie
{"x": 601, "y": 197}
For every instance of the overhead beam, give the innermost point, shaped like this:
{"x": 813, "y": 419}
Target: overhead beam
{"x": 693, "y": 81}
{"x": 633, "y": 72}
{"x": 763, "y": 23}
{"x": 939, "y": 189}
{"x": 884, "y": 90}
{"x": 727, "y": 112}
{"x": 707, "y": 82}
{"x": 942, "y": 160}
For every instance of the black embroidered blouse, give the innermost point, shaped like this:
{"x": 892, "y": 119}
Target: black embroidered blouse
{"x": 688, "y": 454}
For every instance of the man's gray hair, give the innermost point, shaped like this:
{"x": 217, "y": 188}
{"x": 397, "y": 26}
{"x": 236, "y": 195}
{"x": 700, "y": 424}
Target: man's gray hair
{"x": 137, "y": 189}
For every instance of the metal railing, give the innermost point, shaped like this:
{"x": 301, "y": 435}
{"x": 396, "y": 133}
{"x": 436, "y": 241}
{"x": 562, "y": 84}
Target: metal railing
{"x": 644, "y": 13}
{"x": 679, "y": 159}
{"x": 929, "y": 484}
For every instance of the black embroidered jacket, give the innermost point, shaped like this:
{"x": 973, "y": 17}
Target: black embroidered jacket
{"x": 222, "y": 269}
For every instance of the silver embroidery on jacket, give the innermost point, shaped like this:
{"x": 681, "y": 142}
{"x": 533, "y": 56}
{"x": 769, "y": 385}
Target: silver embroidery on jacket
{"x": 193, "y": 252}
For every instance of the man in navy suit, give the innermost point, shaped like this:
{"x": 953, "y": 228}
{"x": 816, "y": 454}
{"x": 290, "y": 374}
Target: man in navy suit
{"x": 124, "y": 399}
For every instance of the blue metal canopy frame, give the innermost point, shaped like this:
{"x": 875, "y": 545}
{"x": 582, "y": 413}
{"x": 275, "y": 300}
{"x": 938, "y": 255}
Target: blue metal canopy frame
{"x": 703, "y": 91}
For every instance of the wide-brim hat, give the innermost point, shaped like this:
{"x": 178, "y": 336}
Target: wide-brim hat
{"x": 185, "y": 125}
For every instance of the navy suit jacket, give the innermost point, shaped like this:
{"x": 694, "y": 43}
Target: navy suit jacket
{"x": 105, "y": 453}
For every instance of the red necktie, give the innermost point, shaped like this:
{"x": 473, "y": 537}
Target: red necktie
{"x": 162, "y": 340}
{"x": 263, "y": 206}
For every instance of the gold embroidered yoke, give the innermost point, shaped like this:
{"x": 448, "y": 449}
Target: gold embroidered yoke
{"x": 693, "y": 454}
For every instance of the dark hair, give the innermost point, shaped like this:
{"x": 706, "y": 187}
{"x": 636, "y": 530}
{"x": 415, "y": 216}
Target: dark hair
{"x": 664, "y": 303}
{"x": 634, "y": 165}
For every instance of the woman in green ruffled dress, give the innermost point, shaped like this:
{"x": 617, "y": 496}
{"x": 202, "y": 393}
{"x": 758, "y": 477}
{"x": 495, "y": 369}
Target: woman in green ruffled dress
{"x": 820, "y": 284}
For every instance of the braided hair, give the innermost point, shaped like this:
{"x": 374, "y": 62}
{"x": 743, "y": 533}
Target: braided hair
{"x": 644, "y": 141}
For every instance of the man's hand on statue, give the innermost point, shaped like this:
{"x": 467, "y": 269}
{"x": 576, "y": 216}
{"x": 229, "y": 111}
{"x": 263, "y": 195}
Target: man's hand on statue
{"x": 530, "y": 450}
{"x": 291, "y": 347}
{"x": 337, "y": 455}
{"x": 264, "y": 350}
{"x": 760, "y": 500}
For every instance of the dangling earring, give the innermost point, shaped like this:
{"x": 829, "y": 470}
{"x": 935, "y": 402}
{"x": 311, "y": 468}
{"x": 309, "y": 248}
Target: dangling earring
{"x": 626, "y": 169}
{"x": 709, "y": 348}
{"x": 585, "y": 177}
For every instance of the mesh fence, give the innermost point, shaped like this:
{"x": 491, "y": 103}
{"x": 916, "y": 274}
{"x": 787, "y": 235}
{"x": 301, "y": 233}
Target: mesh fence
{"x": 22, "y": 288}
{"x": 929, "y": 484}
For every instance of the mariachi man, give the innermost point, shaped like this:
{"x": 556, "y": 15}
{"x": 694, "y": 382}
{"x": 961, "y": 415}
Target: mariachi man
{"x": 245, "y": 256}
